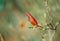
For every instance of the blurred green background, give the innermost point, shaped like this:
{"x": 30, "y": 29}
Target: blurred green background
{"x": 12, "y": 14}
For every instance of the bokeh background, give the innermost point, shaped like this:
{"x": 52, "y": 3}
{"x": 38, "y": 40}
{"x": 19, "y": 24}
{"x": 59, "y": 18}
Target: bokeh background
{"x": 14, "y": 24}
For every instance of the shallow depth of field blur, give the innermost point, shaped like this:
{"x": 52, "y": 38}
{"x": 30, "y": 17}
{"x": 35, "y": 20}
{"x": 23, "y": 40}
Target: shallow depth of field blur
{"x": 15, "y": 26}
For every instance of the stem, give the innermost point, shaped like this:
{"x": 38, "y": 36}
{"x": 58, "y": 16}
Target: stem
{"x": 52, "y": 26}
{"x": 1, "y": 37}
{"x": 39, "y": 26}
